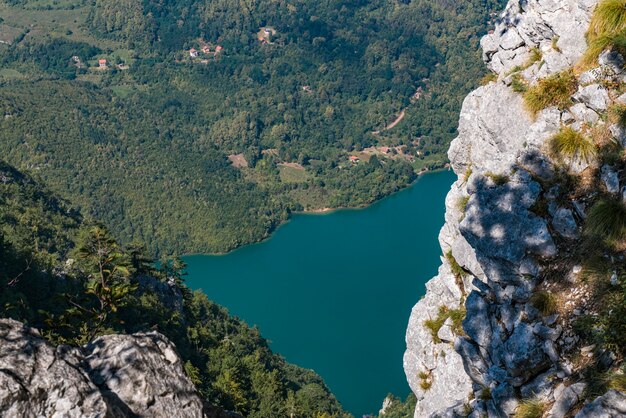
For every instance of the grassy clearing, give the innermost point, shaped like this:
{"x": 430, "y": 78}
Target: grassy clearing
{"x": 551, "y": 91}
{"x": 292, "y": 174}
{"x": 122, "y": 91}
{"x": 8, "y": 73}
{"x": 530, "y": 408}
{"x": 56, "y": 23}
{"x": 572, "y": 144}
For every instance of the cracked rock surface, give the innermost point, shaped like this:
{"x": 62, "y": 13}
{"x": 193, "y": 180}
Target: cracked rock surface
{"x": 495, "y": 238}
{"x": 138, "y": 375}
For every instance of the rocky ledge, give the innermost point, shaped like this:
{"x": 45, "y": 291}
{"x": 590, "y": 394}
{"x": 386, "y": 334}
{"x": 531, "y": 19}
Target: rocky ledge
{"x": 498, "y": 246}
{"x": 138, "y": 375}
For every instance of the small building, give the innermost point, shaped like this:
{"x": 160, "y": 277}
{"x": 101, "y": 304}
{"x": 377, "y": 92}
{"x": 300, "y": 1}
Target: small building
{"x": 102, "y": 64}
{"x": 218, "y": 49}
{"x": 206, "y": 49}
{"x": 193, "y": 53}
{"x": 307, "y": 89}
{"x": 354, "y": 159}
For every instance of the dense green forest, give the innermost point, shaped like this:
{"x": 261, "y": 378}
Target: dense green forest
{"x": 208, "y": 153}
{"x": 50, "y": 278}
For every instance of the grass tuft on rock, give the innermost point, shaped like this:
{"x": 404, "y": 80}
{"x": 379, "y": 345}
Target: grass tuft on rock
{"x": 596, "y": 46}
{"x": 518, "y": 84}
{"x": 488, "y": 78}
{"x": 608, "y": 17}
{"x": 435, "y": 324}
{"x": 426, "y": 381}
{"x": 572, "y": 144}
{"x": 461, "y": 204}
{"x": 606, "y": 30}
{"x": 618, "y": 114}
{"x": 455, "y": 267}
{"x": 551, "y": 91}
{"x": 530, "y": 408}
{"x": 607, "y": 220}
{"x": 545, "y": 302}
{"x": 498, "y": 179}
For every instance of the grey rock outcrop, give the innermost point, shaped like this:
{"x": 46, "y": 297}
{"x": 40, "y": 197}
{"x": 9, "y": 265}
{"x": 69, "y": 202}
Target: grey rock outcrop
{"x": 137, "y": 375}
{"x": 37, "y": 379}
{"x": 142, "y": 373}
{"x": 509, "y": 226}
{"x": 610, "y": 405}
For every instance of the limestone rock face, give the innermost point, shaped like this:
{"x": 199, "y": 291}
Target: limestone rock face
{"x": 37, "y": 379}
{"x": 137, "y": 375}
{"x": 142, "y": 373}
{"x": 502, "y": 226}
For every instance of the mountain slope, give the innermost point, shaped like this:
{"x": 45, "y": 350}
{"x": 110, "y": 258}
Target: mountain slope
{"x": 73, "y": 282}
{"x": 208, "y": 153}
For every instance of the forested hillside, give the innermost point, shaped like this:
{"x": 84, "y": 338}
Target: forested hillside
{"x": 285, "y": 107}
{"x": 71, "y": 280}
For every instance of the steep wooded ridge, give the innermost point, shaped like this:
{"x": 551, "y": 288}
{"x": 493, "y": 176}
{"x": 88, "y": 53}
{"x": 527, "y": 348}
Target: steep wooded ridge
{"x": 103, "y": 332}
{"x": 527, "y": 316}
{"x": 205, "y": 153}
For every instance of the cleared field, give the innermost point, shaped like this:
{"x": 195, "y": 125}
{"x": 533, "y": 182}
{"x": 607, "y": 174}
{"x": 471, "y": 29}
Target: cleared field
{"x": 65, "y": 23}
{"x": 289, "y": 174}
{"x": 7, "y": 73}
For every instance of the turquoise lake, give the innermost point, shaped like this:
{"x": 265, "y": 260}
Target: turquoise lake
{"x": 333, "y": 292}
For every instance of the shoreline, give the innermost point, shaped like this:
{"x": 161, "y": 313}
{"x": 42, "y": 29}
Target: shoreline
{"x": 327, "y": 210}
{"x": 322, "y": 212}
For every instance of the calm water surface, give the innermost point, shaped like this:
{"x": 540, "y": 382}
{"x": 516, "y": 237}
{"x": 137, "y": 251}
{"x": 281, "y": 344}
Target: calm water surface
{"x": 334, "y": 292}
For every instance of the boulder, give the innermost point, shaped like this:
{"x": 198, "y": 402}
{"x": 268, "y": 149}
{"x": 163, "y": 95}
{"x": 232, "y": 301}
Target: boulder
{"x": 566, "y": 400}
{"x": 523, "y": 354}
{"x": 114, "y": 376}
{"x": 37, "y": 379}
{"x": 142, "y": 373}
{"x": 564, "y": 223}
{"x": 610, "y": 405}
{"x": 610, "y": 178}
{"x": 594, "y": 96}
{"x": 584, "y": 114}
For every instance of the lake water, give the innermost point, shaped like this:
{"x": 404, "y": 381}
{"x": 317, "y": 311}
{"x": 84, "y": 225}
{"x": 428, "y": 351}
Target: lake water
{"x": 333, "y": 292}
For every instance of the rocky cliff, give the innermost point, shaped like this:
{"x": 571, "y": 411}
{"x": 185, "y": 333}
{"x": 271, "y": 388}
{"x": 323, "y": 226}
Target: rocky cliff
{"x": 113, "y": 376}
{"x": 480, "y": 343}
